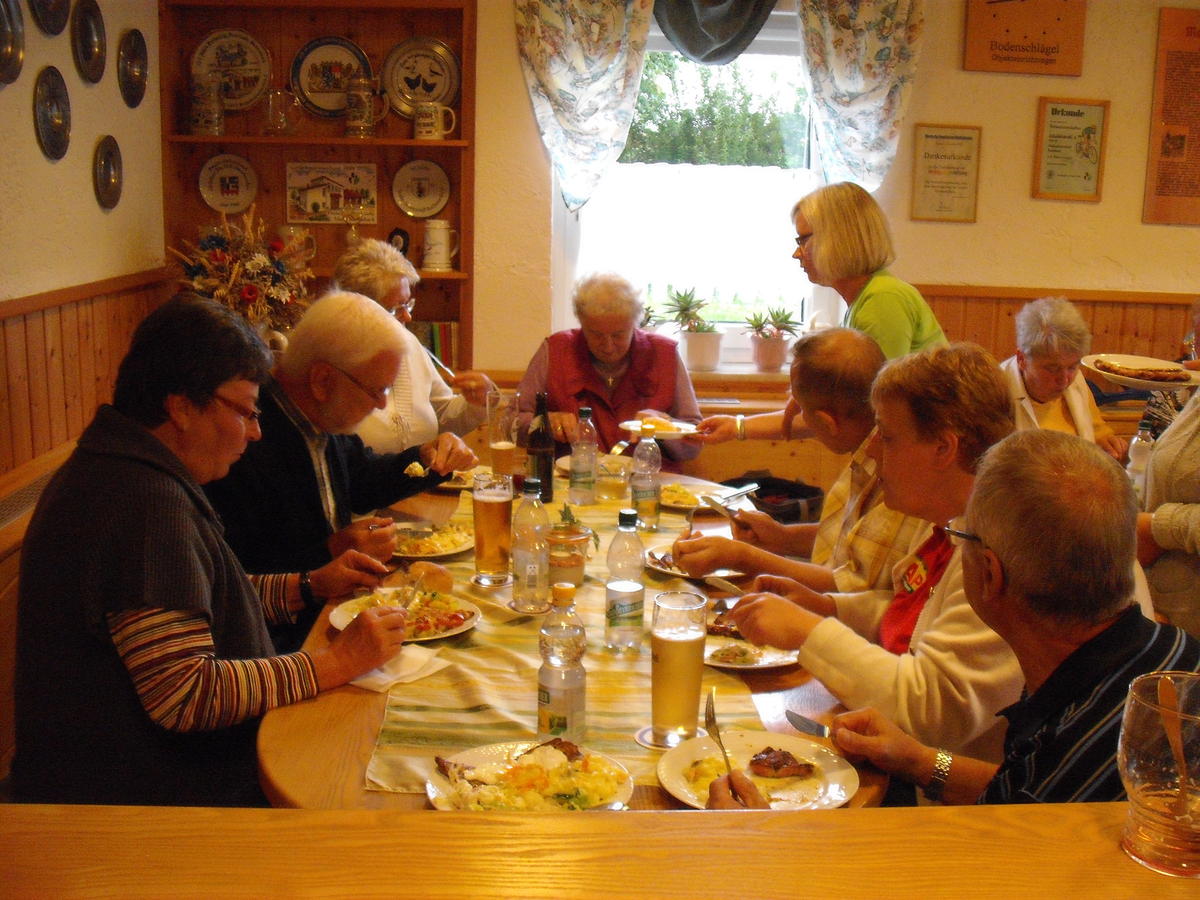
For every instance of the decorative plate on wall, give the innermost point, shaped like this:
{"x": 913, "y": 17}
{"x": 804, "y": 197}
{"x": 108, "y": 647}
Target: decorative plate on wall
{"x": 320, "y": 72}
{"x": 244, "y": 64}
{"x": 228, "y": 183}
{"x": 12, "y": 41}
{"x": 51, "y": 15}
{"x": 420, "y": 70}
{"x": 52, "y": 113}
{"x": 106, "y": 172}
{"x": 420, "y": 188}
{"x": 88, "y": 40}
{"x": 133, "y": 67}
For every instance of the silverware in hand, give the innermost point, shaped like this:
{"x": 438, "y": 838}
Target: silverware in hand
{"x": 740, "y": 492}
{"x": 710, "y": 723}
{"x": 725, "y": 604}
{"x": 445, "y": 369}
{"x": 714, "y": 503}
{"x": 806, "y": 725}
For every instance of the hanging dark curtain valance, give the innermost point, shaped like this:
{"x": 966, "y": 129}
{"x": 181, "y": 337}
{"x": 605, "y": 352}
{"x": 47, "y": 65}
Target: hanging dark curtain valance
{"x": 711, "y": 31}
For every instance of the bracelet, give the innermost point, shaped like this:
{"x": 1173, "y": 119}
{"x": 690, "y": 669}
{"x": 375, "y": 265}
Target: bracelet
{"x": 740, "y": 424}
{"x": 306, "y": 591}
{"x": 941, "y": 771}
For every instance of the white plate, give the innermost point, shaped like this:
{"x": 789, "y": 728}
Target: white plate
{"x": 228, "y": 183}
{"x": 343, "y": 614}
{"x": 321, "y": 70}
{"x": 461, "y": 481}
{"x": 833, "y": 784}
{"x": 679, "y": 430}
{"x": 467, "y": 542}
{"x": 768, "y": 657}
{"x": 653, "y": 562}
{"x": 244, "y": 64}
{"x": 1139, "y": 362}
{"x": 420, "y": 188}
{"x": 440, "y": 794}
{"x": 420, "y": 70}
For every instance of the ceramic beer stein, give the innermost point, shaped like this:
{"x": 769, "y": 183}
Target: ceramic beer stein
{"x": 433, "y": 121}
{"x": 361, "y": 115}
{"x": 441, "y": 243}
{"x": 208, "y": 103}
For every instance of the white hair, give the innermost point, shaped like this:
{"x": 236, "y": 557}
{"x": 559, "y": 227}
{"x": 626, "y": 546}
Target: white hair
{"x": 343, "y": 329}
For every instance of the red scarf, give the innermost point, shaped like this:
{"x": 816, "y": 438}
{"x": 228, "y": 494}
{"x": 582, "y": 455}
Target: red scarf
{"x": 916, "y": 584}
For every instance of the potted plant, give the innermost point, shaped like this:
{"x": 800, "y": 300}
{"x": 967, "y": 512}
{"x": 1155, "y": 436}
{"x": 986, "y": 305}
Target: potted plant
{"x": 769, "y": 333}
{"x": 701, "y": 340}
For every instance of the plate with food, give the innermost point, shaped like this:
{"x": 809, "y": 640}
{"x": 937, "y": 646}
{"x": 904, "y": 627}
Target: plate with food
{"x": 664, "y": 429}
{"x": 1143, "y": 372}
{"x": 431, "y": 614}
{"x": 659, "y": 559}
{"x": 730, "y": 653}
{"x": 791, "y": 771}
{"x": 442, "y": 540}
{"x": 461, "y": 480}
{"x": 526, "y": 775}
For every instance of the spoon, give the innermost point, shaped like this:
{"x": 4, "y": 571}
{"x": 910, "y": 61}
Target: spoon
{"x": 618, "y": 448}
{"x": 1168, "y": 699}
{"x": 710, "y": 723}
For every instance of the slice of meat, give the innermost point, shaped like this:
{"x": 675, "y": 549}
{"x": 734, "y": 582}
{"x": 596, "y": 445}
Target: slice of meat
{"x": 772, "y": 763}
{"x": 569, "y": 750}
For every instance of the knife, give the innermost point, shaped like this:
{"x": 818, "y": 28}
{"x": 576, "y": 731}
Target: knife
{"x": 806, "y": 725}
{"x": 716, "y": 504}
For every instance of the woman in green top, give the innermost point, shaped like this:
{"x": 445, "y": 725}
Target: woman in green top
{"x": 843, "y": 242}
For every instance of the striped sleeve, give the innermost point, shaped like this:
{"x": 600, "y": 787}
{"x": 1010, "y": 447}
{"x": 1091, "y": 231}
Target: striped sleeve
{"x": 273, "y": 592}
{"x": 183, "y": 686}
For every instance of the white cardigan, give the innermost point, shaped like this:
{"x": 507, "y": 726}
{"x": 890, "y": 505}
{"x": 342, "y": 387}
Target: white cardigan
{"x": 1078, "y": 396}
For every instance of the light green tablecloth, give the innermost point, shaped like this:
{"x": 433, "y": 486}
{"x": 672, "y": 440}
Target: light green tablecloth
{"x": 488, "y": 693}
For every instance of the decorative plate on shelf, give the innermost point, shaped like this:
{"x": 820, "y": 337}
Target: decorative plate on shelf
{"x": 420, "y": 70}
{"x": 244, "y": 64}
{"x": 133, "y": 67}
{"x": 320, "y": 72}
{"x": 228, "y": 183}
{"x": 107, "y": 176}
{"x": 52, "y": 113}
{"x": 88, "y": 40}
{"x": 421, "y": 188}
{"x": 12, "y": 41}
{"x": 51, "y": 15}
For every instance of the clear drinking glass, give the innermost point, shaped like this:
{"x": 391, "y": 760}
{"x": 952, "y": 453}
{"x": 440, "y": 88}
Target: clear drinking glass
{"x": 491, "y": 508}
{"x": 676, "y": 664}
{"x": 502, "y": 430}
{"x": 1159, "y": 760}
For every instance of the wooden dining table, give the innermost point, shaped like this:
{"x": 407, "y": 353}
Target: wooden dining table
{"x": 314, "y": 754}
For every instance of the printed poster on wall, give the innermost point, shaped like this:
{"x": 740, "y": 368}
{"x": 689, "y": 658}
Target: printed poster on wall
{"x": 1037, "y": 37}
{"x": 1071, "y": 138}
{"x": 1172, "y": 194}
{"x": 945, "y": 172}
{"x": 332, "y": 194}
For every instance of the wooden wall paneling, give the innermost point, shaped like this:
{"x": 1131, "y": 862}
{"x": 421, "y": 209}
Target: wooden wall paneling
{"x": 35, "y": 361}
{"x": 56, "y": 377}
{"x": 72, "y": 392}
{"x": 7, "y": 408}
{"x": 18, "y": 390}
{"x": 87, "y": 360}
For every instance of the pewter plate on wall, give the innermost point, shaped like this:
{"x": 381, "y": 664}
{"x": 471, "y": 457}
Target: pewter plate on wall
{"x": 244, "y": 64}
{"x": 420, "y": 188}
{"x": 52, "y": 113}
{"x": 88, "y": 40}
{"x": 107, "y": 175}
{"x": 133, "y": 67}
{"x": 420, "y": 70}
{"x": 320, "y": 72}
{"x": 12, "y": 41}
{"x": 51, "y": 15}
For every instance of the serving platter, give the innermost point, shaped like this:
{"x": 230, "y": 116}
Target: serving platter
{"x": 420, "y": 70}
{"x": 133, "y": 67}
{"x": 321, "y": 70}
{"x": 52, "y": 113}
{"x": 88, "y": 41}
{"x": 421, "y": 188}
{"x": 1138, "y": 362}
{"x": 50, "y": 15}
{"x": 12, "y": 41}
{"x": 228, "y": 183}
{"x": 244, "y": 64}
{"x": 107, "y": 175}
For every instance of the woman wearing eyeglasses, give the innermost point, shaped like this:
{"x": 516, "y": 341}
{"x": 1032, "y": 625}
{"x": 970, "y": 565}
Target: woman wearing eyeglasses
{"x": 843, "y": 242}
{"x": 422, "y": 404}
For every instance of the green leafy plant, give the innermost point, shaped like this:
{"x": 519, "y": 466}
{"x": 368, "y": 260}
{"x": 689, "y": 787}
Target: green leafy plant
{"x": 684, "y": 309}
{"x": 774, "y": 323}
{"x": 569, "y": 522}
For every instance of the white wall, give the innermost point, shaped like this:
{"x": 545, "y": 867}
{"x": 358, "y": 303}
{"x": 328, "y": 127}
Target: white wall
{"x": 53, "y": 233}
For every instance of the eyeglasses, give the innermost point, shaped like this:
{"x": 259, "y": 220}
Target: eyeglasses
{"x": 802, "y": 240}
{"x": 249, "y": 413}
{"x": 958, "y": 538}
{"x": 379, "y": 395}
{"x": 408, "y": 306}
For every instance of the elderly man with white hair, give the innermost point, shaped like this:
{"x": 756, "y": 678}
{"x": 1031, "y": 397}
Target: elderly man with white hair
{"x": 1047, "y": 388}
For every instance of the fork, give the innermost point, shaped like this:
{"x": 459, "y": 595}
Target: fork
{"x": 710, "y": 723}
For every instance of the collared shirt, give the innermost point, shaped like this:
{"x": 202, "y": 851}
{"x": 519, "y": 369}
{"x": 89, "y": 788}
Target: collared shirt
{"x": 316, "y": 441}
{"x": 1061, "y": 744}
{"x": 859, "y": 537}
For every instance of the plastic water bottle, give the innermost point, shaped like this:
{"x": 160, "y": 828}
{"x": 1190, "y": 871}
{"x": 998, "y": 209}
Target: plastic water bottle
{"x": 643, "y": 484}
{"x": 583, "y": 461}
{"x": 562, "y": 681}
{"x": 1140, "y": 449}
{"x": 625, "y": 596}
{"x": 531, "y": 552}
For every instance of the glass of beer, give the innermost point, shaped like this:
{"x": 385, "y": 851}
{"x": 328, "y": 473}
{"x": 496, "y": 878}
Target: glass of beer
{"x": 676, "y": 662}
{"x": 491, "y": 506}
{"x": 502, "y": 430}
{"x": 1158, "y": 756}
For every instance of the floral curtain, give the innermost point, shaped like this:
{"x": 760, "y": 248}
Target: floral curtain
{"x": 861, "y": 57}
{"x": 582, "y": 61}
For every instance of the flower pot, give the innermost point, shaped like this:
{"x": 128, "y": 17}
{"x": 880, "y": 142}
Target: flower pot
{"x": 702, "y": 350}
{"x": 769, "y": 352}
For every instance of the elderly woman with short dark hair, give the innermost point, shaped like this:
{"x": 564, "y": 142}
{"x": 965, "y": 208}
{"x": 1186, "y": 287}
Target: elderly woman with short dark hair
{"x": 611, "y": 365}
{"x": 1047, "y": 389}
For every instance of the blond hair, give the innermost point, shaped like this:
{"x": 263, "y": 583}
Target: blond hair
{"x": 851, "y": 236}
{"x": 374, "y": 268}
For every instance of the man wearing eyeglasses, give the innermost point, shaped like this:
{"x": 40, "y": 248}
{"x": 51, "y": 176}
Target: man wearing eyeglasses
{"x": 287, "y": 504}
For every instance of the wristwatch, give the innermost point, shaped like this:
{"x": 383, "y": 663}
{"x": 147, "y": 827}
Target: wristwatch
{"x": 941, "y": 771}
{"x": 306, "y": 591}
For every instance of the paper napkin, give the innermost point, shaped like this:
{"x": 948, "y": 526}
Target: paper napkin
{"x": 411, "y": 663}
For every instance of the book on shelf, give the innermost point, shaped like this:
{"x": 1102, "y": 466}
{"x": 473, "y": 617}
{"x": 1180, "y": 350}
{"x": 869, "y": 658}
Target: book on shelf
{"x": 440, "y": 338}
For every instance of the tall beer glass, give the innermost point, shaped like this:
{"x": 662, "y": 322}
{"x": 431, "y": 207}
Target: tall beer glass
{"x": 676, "y": 663}
{"x": 491, "y": 506}
{"x": 502, "y": 430}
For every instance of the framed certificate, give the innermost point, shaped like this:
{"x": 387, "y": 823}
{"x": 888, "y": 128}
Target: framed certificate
{"x": 945, "y": 172}
{"x": 1068, "y": 160}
